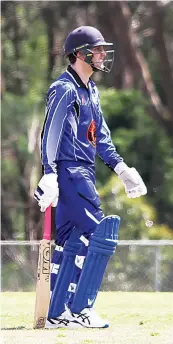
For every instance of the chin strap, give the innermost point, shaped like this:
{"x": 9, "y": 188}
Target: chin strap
{"x": 94, "y": 68}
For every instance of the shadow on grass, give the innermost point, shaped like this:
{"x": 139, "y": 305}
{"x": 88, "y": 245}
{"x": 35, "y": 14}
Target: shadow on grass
{"x": 14, "y": 328}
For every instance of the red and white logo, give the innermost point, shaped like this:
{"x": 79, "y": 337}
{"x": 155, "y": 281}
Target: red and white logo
{"x": 91, "y": 133}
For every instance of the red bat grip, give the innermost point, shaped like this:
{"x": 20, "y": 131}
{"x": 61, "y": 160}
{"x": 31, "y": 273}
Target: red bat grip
{"x": 47, "y": 223}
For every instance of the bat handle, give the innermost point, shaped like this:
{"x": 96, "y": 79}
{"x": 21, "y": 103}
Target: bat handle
{"x": 47, "y": 223}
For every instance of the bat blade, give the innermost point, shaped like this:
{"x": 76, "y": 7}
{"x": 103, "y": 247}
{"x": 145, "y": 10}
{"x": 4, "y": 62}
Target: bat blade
{"x": 43, "y": 276}
{"x": 43, "y": 284}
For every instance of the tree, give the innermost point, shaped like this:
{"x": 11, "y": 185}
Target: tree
{"x": 120, "y": 22}
{"x": 30, "y": 61}
{"x": 23, "y": 102}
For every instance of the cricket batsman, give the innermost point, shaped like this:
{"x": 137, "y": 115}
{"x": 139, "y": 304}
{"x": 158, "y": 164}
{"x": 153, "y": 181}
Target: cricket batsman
{"x": 74, "y": 132}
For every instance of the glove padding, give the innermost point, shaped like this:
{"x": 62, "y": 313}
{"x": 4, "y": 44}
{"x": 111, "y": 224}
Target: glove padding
{"x": 47, "y": 191}
{"x": 133, "y": 183}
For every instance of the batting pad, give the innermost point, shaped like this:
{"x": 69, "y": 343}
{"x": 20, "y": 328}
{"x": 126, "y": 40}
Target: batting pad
{"x": 102, "y": 245}
{"x": 56, "y": 262}
{"x": 66, "y": 271}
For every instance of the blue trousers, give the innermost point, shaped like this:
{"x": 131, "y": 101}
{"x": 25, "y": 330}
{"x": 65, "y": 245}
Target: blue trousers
{"x": 79, "y": 203}
{"x": 78, "y": 210}
{"x": 78, "y": 215}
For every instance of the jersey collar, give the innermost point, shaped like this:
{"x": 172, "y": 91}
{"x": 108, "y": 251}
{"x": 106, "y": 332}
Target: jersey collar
{"x": 76, "y": 77}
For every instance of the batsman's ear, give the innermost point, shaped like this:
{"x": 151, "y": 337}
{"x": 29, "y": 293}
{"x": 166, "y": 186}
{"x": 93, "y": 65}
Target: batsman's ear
{"x": 81, "y": 55}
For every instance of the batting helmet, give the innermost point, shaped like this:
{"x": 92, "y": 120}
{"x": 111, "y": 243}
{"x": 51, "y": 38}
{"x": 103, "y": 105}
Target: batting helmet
{"x": 85, "y": 38}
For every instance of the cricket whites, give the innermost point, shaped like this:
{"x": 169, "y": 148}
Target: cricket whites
{"x": 43, "y": 274}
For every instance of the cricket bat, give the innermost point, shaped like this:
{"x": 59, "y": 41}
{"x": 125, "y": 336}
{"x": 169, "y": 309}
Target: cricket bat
{"x": 43, "y": 274}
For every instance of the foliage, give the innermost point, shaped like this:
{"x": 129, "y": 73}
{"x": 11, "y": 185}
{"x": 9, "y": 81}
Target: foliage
{"x": 139, "y": 219}
{"x": 24, "y": 64}
{"x": 32, "y": 33}
{"x": 144, "y": 145}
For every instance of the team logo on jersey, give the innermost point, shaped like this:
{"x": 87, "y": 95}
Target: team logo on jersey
{"x": 95, "y": 96}
{"x": 83, "y": 100}
{"x": 91, "y": 133}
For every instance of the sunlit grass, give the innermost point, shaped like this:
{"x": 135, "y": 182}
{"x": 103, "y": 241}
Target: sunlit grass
{"x": 135, "y": 318}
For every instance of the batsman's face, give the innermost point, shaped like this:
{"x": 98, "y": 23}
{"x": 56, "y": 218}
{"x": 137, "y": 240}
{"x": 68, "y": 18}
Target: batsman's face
{"x": 99, "y": 55}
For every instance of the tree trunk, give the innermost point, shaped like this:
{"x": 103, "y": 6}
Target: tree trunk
{"x": 120, "y": 24}
{"x": 32, "y": 174}
{"x": 160, "y": 44}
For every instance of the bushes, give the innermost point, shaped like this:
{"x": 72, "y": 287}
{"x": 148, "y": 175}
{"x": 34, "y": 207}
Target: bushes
{"x": 144, "y": 145}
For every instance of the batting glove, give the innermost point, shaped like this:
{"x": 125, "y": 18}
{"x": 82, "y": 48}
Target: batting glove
{"x": 47, "y": 191}
{"x": 133, "y": 183}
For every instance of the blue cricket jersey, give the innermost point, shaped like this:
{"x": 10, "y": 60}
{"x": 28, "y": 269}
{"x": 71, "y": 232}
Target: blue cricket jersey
{"x": 74, "y": 127}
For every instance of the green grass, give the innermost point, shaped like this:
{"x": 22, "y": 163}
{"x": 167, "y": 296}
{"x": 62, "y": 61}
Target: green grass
{"x": 135, "y": 318}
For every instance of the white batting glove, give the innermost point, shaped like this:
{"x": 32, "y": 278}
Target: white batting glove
{"x": 47, "y": 191}
{"x": 133, "y": 183}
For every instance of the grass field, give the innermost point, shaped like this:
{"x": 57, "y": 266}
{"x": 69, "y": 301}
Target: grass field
{"x": 135, "y": 318}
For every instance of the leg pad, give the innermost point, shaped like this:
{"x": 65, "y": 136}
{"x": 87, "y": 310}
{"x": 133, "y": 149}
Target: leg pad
{"x": 102, "y": 245}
